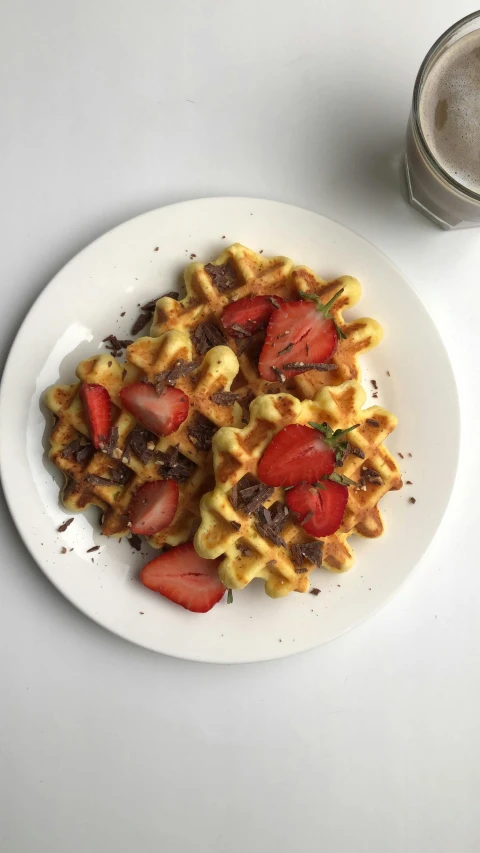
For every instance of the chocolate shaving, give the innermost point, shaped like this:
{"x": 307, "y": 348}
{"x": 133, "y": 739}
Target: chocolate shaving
{"x": 201, "y": 433}
{"x": 235, "y": 525}
{"x": 65, "y": 524}
{"x": 356, "y": 451}
{"x": 278, "y": 374}
{"x": 135, "y": 541}
{"x": 252, "y": 497}
{"x": 224, "y": 398}
{"x": 206, "y": 336}
{"x": 372, "y": 422}
{"x": 173, "y": 465}
{"x": 244, "y": 549}
{"x": 273, "y": 301}
{"x": 285, "y": 350}
{"x": 95, "y": 548}
{"x": 264, "y": 526}
{"x": 240, "y": 330}
{"x": 111, "y": 444}
{"x": 169, "y": 377}
{"x": 140, "y": 323}
{"x": 302, "y": 367}
{"x": 311, "y": 551}
{"x": 138, "y": 440}
{"x": 223, "y": 277}
{"x": 80, "y": 449}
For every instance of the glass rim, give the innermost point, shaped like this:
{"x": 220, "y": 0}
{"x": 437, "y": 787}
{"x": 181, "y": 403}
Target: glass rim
{"x": 416, "y": 103}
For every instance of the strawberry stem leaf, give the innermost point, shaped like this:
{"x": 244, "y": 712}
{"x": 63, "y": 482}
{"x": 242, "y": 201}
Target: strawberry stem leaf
{"x": 342, "y": 479}
{"x": 325, "y": 309}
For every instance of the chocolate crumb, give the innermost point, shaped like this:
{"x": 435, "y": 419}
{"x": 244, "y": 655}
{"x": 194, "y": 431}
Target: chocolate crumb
{"x": 372, "y": 422}
{"x": 109, "y": 364}
{"x": 388, "y": 373}
{"x": 300, "y": 570}
{"x": 224, "y": 398}
{"x": 409, "y": 483}
{"x": 375, "y": 395}
{"x": 65, "y": 524}
{"x": 314, "y": 591}
{"x": 236, "y": 525}
{"x": 401, "y": 455}
{"x": 64, "y": 550}
{"x": 135, "y": 542}
{"x": 223, "y": 237}
{"x": 261, "y": 252}
{"x": 410, "y": 455}
{"x": 156, "y": 249}
{"x": 375, "y": 386}
{"x": 412, "y": 500}
{"x": 95, "y": 548}
{"x": 122, "y": 314}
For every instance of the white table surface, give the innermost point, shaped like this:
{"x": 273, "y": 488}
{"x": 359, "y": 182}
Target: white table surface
{"x": 370, "y": 743}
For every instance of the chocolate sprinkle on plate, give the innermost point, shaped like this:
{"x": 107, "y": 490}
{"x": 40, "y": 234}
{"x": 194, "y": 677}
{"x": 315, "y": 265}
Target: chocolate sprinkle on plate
{"x": 314, "y": 591}
{"x": 412, "y": 500}
{"x": 95, "y": 548}
{"x": 374, "y": 384}
{"x": 65, "y": 524}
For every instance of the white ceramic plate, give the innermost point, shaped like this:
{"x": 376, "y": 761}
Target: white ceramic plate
{"x": 83, "y": 304}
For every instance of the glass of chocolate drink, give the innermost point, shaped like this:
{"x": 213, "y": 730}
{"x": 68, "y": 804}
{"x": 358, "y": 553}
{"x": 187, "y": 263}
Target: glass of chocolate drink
{"x": 443, "y": 136}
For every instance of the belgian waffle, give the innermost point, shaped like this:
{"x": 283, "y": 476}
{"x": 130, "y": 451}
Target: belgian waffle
{"x": 240, "y": 272}
{"x": 110, "y": 478}
{"x": 228, "y": 530}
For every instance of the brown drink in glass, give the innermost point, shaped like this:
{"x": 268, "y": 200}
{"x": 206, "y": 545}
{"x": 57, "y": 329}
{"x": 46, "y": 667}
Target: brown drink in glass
{"x": 443, "y": 136}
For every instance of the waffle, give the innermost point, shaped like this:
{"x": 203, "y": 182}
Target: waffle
{"x": 240, "y": 272}
{"x": 133, "y": 456}
{"x": 229, "y": 531}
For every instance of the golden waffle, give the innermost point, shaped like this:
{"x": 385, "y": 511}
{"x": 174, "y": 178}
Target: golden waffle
{"x": 240, "y": 272}
{"x": 121, "y": 468}
{"x": 229, "y": 531}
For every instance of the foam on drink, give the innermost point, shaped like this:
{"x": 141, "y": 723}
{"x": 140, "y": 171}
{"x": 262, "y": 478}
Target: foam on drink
{"x": 449, "y": 111}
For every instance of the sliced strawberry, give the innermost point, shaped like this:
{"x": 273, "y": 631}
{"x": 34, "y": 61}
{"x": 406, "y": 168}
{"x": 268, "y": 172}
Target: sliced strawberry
{"x": 153, "y": 507}
{"x": 161, "y": 413}
{"x": 185, "y": 578}
{"x": 320, "y": 509}
{"x": 299, "y": 333}
{"x": 97, "y": 408}
{"x": 302, "y": 454}
{"x": 246, "y": 316}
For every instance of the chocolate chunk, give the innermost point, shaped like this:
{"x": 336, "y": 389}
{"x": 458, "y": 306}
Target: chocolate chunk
{"x": 401, "y": 455}
{"x": 80, "y": 449}
{"x": 372, "y": 422}
{"x": 95, "y": 548}
{"x": 235, "y": 525}
{"x": 65, "y": 524}
{"x": 223, "y": 277}
{"x": 135, "y": 541}
{"x": 138, "y": 440}
{"x": 63, "y": 550}
{"x": 311, "y": 551}
{"x": 302, "y": 367}
{"x": 141, "y": 321}
{"x": 409, "y": 483}
{"x": 224, "y": 398}
{"x": 201, "y": 432}
{"x": 173, "y": 465}
{"x": 206, "y": 336}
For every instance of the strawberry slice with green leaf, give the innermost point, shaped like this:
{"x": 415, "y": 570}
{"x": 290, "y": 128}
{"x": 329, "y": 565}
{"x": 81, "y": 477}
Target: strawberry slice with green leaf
{"x": 153, "y": 507}
{"x": 302, "y": 454}
{"x": 160, "y": 413}
{"x": 185, "y": 578}
{"x": 250, "y": 314}
{"x": 320, "y": 509}
{"x": 97, "y": 408}
{"x": 300, "y": 336}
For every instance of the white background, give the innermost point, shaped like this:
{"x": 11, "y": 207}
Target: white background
{"x": 372, "y": 742}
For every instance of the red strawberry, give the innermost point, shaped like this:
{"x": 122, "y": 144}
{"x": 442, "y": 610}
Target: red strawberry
{"x": 327, "y": 502}
{"x": 97, "y": 408}
{"x": 153, "y": 507}
{"x": 250, "y": 314}
{"x": 161, "y": 413}
{"x": 300, "y": 454}
{"x": 298, "y": 332}
{"x": 185, "y": 578}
